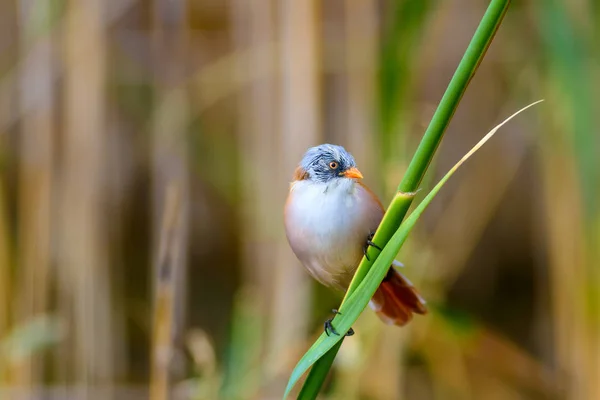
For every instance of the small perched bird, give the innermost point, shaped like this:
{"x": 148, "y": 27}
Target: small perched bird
{"x": 330, "y": 219}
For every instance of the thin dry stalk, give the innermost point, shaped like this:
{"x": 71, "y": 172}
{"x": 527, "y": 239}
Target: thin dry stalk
{"x": 254, "y": 25}
{"x": 36, "y": 174}
{"x": 170, "y": 166}
{"x": 202, "y": 351}
{"x": 5, "y": 278}
{"x": 568, "y": 281}
{"x": 84, "y": 290}
{"x": 6, "y": 240}
{"x": 165, "y": 293}
{"x": 361, "y": 26}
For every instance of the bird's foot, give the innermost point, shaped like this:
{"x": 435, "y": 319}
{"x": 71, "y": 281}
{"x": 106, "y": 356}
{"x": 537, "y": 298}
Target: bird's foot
{"x": 328, "y": 327}
{"x": 370, "y": 243}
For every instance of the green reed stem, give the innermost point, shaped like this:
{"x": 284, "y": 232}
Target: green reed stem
{"x": 416, "y": 170}
{"x": 435, "y": 131}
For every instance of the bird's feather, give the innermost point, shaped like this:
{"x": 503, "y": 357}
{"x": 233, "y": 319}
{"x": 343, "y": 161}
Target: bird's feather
{"x": 396, "y": 300}
{"x": 300, "y": 174}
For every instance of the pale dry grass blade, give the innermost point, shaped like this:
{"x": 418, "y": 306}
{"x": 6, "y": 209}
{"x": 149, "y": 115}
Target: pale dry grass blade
{"x": 361, "y": 26}
{"x": 489, "y": 135}
{"x": 5, "y": 277}
{"x": 254, "y": 26}
{"x": 6, "y": 239}
{"x": 253, "y": 29}
{"x": 570, "y": 187}
{"x": 170, "y": 166}
{"x": 165, "y": 293}
{"x": 84, "y": 281}
{"x": 203, "y": 354}
{"x": 452, "y": 251}
{"x": 36, "y": 178}
{"x": 563, "y": 218}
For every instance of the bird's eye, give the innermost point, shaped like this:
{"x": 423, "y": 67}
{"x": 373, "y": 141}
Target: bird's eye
{"x": 333, "y": 165}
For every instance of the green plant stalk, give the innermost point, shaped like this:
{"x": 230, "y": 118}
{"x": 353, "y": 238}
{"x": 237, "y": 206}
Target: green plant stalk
{"x": 418, "y": 166}
{"x": 433, "y": 135}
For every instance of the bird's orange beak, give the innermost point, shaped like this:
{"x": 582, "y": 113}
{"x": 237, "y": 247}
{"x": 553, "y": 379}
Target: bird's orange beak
{"x": 352, "y": 173}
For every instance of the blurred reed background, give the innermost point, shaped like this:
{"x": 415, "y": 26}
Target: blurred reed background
{"x": 145, "y": 153}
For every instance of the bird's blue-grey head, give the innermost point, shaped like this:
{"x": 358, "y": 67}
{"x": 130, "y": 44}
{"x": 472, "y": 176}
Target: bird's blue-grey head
{"x": 327, "y": 161}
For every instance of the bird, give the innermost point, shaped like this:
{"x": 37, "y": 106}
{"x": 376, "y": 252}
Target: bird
{"x": 330, "y": 217}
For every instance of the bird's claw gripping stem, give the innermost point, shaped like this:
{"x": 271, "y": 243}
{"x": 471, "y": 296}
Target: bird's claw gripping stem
{"x": 328, "y": 327}
{"x": 370, "y": 243}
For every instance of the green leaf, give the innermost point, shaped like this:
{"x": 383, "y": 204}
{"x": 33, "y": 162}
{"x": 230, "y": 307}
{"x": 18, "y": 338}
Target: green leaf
{"x": 318, "y": 373}
{"x": 357, "y": 301}
{"x": 32, "y": 336}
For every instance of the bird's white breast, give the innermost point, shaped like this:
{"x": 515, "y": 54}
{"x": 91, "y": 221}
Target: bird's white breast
{"x": 327, "y": 225}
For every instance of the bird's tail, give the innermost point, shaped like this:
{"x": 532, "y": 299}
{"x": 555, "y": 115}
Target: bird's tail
{"x": 396, "y": 300}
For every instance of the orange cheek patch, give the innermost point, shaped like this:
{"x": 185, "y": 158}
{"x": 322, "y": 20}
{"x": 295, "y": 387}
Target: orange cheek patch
{"x": 300, "y": 174}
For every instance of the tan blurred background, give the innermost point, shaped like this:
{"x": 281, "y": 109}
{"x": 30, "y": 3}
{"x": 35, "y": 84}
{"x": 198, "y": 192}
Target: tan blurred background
{"x": 145, "y": 153}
